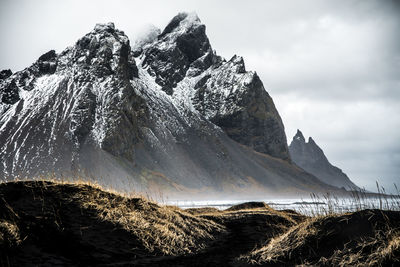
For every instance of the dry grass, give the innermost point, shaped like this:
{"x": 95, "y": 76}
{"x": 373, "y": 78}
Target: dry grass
{"x": 204, "y": 210}
{"x": 79, "y": 222}
{"x": 380, "y": 250}
{"x": 364, "y": 238}
{"x": 160, "y": 228}
{"x": 82, "y": 223}
{"x": 352, "y": 201}
{"x": 76, "y": 180}
{"x": 9, "y": 234}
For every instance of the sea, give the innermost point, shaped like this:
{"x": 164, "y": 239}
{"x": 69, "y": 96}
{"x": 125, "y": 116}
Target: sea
{"x": 306, "y": 206}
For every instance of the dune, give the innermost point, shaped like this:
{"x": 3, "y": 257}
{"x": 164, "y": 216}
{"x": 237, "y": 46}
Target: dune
{"x": 50, "y": 223}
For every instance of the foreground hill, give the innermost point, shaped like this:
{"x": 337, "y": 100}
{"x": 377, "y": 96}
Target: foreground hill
{"x": 58, "y": 224}
{"x": 170, "y": 115}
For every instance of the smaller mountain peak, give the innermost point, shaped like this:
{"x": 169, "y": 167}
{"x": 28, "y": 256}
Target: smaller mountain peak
{"x": 182, "y": 45}
{"x": 184, "y": 20}
{"x": 4, "y": 74}
{"x": 311, "y": 141}
{"x": 192, "y": 17}
{"x": 236, "y": 59}
{"x": 239, "y": 62}
{"x": 299, "y": 136}
{"x": 48, "y": 56}
{"x": 47, "y": 63}
{"x": 108, "y": 27}
{"x": 105, "y": 50}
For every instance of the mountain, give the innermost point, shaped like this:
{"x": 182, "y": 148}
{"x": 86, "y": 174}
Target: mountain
{"x": 169, "y": 115}
{"x": 310, "y": 157}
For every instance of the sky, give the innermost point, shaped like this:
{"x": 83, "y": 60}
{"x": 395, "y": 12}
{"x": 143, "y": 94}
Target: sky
{"x": 332, "y": 67}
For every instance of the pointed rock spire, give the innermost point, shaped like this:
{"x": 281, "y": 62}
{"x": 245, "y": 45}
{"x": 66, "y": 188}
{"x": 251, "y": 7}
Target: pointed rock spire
{"x": 299, "y": 136}
{"x": 239, "y": 63}
{"x": 311, "y": 141}
{"x": 310, "y": 157}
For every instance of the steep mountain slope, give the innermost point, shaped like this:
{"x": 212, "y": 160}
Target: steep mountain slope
{"x": 311, "y": 158}
{"x": 170, "y": 115}
{"x": 184, "y": 65}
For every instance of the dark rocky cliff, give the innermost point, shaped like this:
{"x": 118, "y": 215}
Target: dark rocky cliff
{"x": 222, "y": 91}
{"x": 169, "y": 115}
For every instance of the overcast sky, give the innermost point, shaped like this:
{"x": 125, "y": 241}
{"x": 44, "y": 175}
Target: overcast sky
{"x": 332, "y": 67}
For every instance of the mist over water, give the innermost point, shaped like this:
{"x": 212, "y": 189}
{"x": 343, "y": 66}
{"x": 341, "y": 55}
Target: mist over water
{"x": 307, "y": 206}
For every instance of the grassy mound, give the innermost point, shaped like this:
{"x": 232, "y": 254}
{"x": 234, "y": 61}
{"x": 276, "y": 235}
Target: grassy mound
{"x": 203, "y": 210}
{"x": 248, "y": 228}
{"x": 46, "y": 222}
{"x": 368, "y": 237}
{"x": 249, "y": 205}
{"x": 74, "y": 224}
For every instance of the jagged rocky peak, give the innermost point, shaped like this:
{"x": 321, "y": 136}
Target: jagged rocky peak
{"x": 299, "y": 136}
{"x": 25, "y": 79}
{"x": 101, "y": 27}
{"x": 183, "y": 63}
{"x": 80, "y": 99}
{"x": 182, "y": 116}
{"x": 4, "y": 74}
{"x": 8, "y": 90}
{"x": 312, "y": 142}
{"x": 238, "y": 63}
{"x": 236, "y": 100}
{"x": 310, "y": 157}
{"x": 105, "y": 51}
{"x": 303, "y": 152}
{"x": 102, "y": 52}
{"x": 184, "y": 21}
{"x": 47, "y": 63}
{"x": 182, "y": 43}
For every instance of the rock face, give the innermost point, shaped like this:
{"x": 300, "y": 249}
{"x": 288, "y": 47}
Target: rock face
{"x": 311, "y": 158}
{"x": 169, "y": 114}
{"x": 4, "y": 74}
{"x": 182, "y": 42}
{"x": 79, "y": 99}
{"x": 222, "y": 91}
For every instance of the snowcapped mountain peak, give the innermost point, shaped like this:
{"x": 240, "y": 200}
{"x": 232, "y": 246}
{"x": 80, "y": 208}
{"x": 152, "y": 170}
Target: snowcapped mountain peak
{"x": 109, "y": 27}
{"x": 182, "y": 44}
{"x": 238, "y": 63}
{"x": 4, "y": 74}
{"x": 104, "y": 51}
{"x": 181, "y": 23}
{"x": 170, "y": 111}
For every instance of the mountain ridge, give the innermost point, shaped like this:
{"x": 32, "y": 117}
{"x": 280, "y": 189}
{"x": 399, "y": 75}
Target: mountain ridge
{"x": 171, "y": 116}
